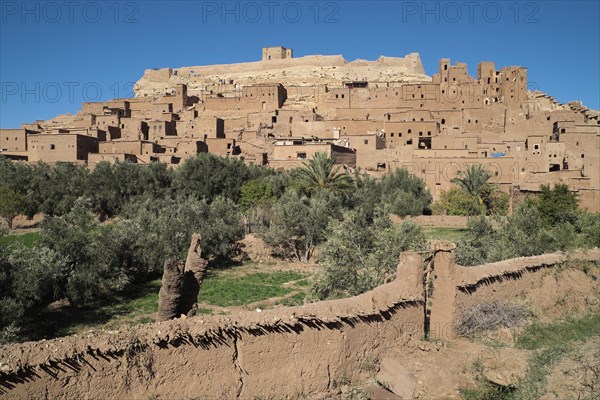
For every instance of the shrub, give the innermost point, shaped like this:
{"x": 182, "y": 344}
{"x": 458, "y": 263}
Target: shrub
{"x": 298, "y": 223}
{"x": 488, "y": 316}
{"x": 458, "y": 202}
{"x": 359, "y": 255}
{"x": 557, "y": 205}
{"x": 208, "y": 176}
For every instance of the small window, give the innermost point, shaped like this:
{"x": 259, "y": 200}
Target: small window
{"x": 301, "y": 156}
{"x": 52, "y": 147}
{"x": 536, "y": 146}
{"x": 366, "y": 141}
{"x": 583, "y": 156}
{"x": 410, "y": 131}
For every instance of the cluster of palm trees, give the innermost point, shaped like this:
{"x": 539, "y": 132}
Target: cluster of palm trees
{"x": 321, "y": 173}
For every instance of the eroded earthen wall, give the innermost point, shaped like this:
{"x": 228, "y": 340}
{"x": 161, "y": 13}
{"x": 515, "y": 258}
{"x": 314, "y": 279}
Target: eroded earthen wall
{"x": 288, "y": 351}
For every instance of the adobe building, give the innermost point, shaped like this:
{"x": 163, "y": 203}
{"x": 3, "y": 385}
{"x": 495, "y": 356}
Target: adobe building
{"x": 276, "y": 53}
{"x": 373, "y": 115}
{"x": 52, "y": 148}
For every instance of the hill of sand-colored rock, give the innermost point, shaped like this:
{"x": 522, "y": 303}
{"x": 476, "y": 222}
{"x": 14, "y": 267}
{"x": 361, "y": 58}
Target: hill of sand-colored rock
{"x": 302, "y": 71}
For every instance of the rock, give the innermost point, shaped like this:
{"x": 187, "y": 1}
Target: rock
{"x": 375, "y": 392}
{"x": 396, "y": 378}
{"x": 505, "y": 367}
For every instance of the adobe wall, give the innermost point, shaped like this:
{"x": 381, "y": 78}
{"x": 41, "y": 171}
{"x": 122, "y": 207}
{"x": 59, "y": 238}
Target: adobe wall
{"x": 535, "y": 280}
{"x": 289, "y": 351}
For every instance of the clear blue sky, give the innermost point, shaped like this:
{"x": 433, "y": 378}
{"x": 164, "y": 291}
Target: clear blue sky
{"x": 56, "y": 54}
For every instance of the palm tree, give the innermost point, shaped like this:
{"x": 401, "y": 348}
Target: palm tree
{"x": 475, "y": 181}
{"x": 320, "y": 173}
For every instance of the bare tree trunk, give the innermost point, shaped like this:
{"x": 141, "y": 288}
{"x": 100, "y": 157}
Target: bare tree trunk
{"x": 169, "y": 295}
{"x": 181, "y": 284}
{"x": 195, "y": 271}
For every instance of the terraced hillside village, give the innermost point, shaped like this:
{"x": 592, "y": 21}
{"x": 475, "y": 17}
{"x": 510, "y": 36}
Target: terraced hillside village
{"x": 369, "y": 115}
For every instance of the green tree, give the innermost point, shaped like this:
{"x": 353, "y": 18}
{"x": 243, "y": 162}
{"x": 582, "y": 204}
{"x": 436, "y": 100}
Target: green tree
{"x": 163, "y": 227}
{"x": 557, "y": 205}
{"x": 66, "y": 182}
{"x": 403, "y": 193}
{"x": 457, "y": 202}
{"x": 358, "y": 255}
{"x": 11, "y": 205}
{"x": 208, "y": 176}
{"x": 321, "y": 173}
{"x": 255, "y": 203}
{"x": 474, "y": 180}
{"x": 588, "y": 225}
{"x": 521, "y": 234}
{"x": 96, "y": 263}
{"x": 255, "y": 193}
{"x": 398, "y": 192}
{"x": 298, "y": 223}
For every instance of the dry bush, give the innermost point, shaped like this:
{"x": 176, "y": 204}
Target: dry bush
{"x": 489, "y": 316}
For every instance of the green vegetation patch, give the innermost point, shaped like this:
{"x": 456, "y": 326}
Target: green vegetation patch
{"x": 26, "y": 239}
{"x": 294, "y": 300}
{"x": 452, "y": 234}
{"x": 224, "y": 291}
{"x": 559, "y": 333}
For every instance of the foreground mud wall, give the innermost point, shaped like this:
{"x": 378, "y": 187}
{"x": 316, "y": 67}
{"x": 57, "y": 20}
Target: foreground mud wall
{"x": 289, "y": 351}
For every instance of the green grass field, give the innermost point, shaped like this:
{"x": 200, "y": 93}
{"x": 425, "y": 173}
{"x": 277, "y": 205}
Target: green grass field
{"x": 27, "y": 239}
{"x": 223, "y": 291}
{"x": 444, "y": 233}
